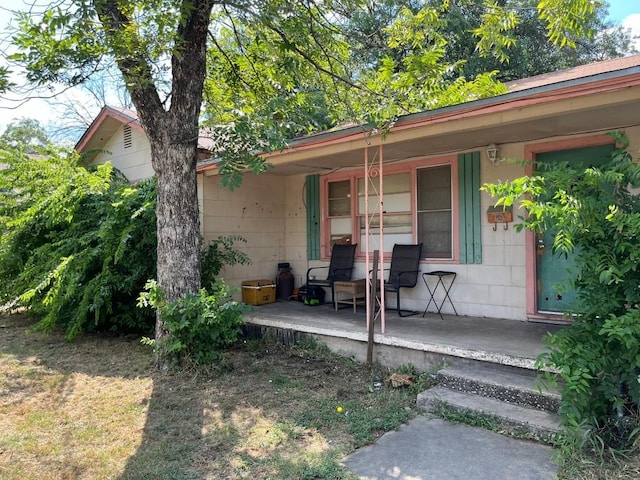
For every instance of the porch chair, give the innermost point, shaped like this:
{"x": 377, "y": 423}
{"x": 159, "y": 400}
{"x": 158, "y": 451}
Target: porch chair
{"x": 403, "y": 272}
{"x": 339, "y": 270}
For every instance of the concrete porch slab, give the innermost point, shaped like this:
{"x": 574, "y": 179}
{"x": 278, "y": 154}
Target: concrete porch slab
{"x": 416, "y": 339}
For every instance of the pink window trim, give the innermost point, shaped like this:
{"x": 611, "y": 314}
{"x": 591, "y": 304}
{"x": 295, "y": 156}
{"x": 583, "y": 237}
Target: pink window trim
{"x": 389, "y": 169}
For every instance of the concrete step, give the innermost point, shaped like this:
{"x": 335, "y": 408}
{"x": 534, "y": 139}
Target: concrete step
{"x": 511, "y": 385}
{"x": 537, "y": 424}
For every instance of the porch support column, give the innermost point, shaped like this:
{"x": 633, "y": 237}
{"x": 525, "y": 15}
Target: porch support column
{"x": 372, "y": 171}
{"x": 367, "y": 250}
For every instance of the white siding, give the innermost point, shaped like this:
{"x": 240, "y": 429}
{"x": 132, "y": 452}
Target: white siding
{"x": 134, "y": 162}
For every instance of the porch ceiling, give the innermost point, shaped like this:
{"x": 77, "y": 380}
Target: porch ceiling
{"x": 528, "y": 123}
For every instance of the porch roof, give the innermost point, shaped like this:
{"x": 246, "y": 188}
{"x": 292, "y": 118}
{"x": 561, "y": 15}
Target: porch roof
{"x": 595, "y": 97}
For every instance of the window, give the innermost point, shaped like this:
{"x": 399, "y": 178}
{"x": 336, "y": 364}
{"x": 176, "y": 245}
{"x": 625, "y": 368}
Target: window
{"x": 339, "y": 208}
{"x": 417, "y": 207}
{"x": 434, "y": 211}
{"x": 396, "y": 209}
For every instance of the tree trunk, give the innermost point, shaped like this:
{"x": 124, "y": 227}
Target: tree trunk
{"x": 178, "y": 225}
{"x": 173, "y": 136}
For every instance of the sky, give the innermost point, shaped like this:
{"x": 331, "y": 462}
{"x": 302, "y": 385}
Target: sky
{"x": 623, "y": 12}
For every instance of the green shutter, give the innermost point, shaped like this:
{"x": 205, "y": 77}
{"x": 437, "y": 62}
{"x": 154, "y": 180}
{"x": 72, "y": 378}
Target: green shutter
{"x": 469, "y": 207}
{"x": 313, "y": 217}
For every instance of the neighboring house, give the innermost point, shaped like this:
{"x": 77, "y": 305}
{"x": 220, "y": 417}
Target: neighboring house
{"x": 116, "y": 136}
{"x": 433, "y": 164}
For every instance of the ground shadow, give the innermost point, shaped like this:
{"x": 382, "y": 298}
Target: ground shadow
{"x": 172, "y": 432}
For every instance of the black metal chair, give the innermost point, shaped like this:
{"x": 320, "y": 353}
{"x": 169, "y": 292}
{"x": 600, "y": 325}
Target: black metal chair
{"x": 340, "y": 268}
{"x": 403, "y": 272}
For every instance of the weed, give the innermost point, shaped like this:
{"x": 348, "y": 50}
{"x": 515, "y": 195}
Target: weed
{"x": 488, "y": 422}
{"x": 100, "y": 405}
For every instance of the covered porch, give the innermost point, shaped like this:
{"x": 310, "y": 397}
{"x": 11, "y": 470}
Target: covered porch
{"x": 427, "y": 342}
{"x": 435, "y": 163}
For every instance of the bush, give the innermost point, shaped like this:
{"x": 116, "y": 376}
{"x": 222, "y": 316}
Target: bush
{"x": 597, "y": 360}
{"x": 597, "y": 218}
{"x": 76, "y": 246}
{"x": 220, "y": 252}
{"x": 198, "y": 326}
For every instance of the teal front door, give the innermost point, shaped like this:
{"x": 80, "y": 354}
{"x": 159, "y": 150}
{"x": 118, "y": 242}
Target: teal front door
{"x": 555, "y": 272}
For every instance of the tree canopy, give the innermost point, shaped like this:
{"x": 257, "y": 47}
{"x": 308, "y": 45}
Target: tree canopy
{"x": 396, "y": 57}
{"x": 27, "y": 134}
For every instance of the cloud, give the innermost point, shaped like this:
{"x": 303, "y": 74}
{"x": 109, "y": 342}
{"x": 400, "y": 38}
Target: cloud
{"x": 633, "y": 22}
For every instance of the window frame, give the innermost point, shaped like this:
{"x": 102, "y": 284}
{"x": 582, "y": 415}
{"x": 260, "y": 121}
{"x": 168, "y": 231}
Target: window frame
{"x": 389, "y": 169}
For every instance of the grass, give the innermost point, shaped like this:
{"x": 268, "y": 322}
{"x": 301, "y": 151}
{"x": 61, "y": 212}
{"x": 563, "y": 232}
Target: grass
{"x": 488, "y": 422}
{"x": 97, "y": 409}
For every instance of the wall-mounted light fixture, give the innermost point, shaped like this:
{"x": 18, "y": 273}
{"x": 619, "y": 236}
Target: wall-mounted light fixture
{"x": 492, "y": 153}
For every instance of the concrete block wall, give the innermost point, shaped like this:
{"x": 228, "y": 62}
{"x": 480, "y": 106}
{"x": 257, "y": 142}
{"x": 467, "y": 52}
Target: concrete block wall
{"x": 255, "y": 211}
{"x": 296, "y": 227}
{"x": 497, "y": 286}
{"x": 270, "y": 212}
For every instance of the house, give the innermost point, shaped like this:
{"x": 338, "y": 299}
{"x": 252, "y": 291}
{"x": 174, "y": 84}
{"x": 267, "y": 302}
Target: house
{"x": 116, "y": 136}
{"x": 432, "y": 165}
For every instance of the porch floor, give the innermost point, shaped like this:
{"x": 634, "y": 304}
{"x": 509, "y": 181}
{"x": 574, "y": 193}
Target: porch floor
{"x": 500, "y": 341}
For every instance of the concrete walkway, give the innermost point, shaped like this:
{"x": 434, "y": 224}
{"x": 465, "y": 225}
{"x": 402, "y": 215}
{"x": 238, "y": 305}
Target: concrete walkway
{"x": 429, "y": 448}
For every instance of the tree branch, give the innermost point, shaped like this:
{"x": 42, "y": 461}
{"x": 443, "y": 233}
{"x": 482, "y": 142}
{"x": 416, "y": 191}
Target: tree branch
{"x": 131, "y": 59}
{"x": 230, "y": 62}
{"x": 311, "y": 60}
{"x": 189, "y": 60}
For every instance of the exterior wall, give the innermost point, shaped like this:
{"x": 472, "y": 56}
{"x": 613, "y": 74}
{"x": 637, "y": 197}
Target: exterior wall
{"x": 296, "y": 228}
{"x": 269, "y": 211}
{"x": 134, "y": 162}
{"x": 495, "y": 288}
{"x": 498, "y": 287}
{"x": 255, "y": 211}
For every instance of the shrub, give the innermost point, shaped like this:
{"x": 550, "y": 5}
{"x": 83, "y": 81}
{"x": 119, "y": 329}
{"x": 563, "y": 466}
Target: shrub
{"x": 219, "y": 253}
{"x": 77, "y": 245}
{"x": 597, "y": 217}
{"x": 198, "y": 326}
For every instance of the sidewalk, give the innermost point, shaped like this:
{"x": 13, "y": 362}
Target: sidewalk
{"x": 429, "y": 448}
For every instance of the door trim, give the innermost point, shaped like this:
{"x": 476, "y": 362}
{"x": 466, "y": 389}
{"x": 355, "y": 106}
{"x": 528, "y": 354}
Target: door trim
{"x": 530, "y": 152}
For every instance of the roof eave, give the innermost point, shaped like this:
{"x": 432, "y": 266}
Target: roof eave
{"x": 420, "y": 117}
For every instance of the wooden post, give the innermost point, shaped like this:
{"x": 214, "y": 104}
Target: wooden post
{"x": 373, "y": 295}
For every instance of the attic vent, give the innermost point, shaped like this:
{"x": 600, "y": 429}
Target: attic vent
{"x": 127, "y": 140}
